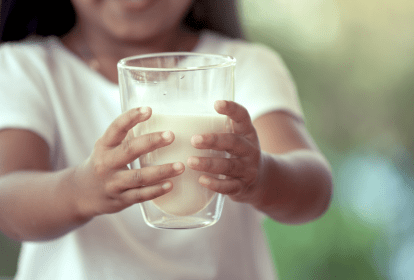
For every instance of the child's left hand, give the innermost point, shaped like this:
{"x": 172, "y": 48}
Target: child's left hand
{"x": 243, "y": 167}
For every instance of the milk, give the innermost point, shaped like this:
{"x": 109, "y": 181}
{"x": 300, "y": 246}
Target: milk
{"x": 187, "y": 197}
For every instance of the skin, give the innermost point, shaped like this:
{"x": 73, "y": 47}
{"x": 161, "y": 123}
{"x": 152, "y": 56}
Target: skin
{"x": 275, "y": 165}
{"x": 113, "y": 31}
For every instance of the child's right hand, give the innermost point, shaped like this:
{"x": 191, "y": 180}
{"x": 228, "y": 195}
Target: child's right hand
{"x": 105, "y": 184}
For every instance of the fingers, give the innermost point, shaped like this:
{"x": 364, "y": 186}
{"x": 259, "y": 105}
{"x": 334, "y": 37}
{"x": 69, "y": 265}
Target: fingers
{"x": 242, "y": 123}
{"x": 132, "y": 148}
{"x": 127, "y": 179}
{"x": 227, "y": 186}
{"x": 119, "y": 128}
{"x": 232, "y": 143}
{"x": 139, "y": 185}
{"x": 138, "y": 195}
{"x": 232, "y": 167}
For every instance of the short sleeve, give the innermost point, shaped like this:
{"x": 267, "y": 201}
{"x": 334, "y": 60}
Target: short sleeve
{"x": 24, "y": 102}
{"x": 263, "y": 82}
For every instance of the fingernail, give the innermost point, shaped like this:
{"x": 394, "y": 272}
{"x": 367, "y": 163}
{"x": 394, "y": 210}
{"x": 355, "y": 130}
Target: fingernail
{"x": 197, "y": 139}
{"x": 221, "y": 103}
{"x": 178, "y": 166}
{"x": 193, "y": 161}
{"x": 204, "y": 181}
{"x": 167, "y": 135}
{"x": 166, "y": 185}
{"x": 144, "y": 110}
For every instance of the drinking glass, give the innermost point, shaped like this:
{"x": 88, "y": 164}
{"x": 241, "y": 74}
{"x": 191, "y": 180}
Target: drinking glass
{"x": 181, "y": 89}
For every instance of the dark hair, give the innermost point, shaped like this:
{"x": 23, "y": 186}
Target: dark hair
{"x": 21, "y": 18}
{"x": 218, "y": 15}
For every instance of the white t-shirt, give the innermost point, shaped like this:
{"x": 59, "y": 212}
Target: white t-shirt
{"x": 46, "y": 89}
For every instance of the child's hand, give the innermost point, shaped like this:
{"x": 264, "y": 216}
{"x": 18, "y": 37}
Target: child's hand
{"x": 242, "y": 168}
{"x": 104, "y": 182}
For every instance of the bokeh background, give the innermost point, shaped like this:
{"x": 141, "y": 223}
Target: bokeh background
{"x": 353, "y": 63}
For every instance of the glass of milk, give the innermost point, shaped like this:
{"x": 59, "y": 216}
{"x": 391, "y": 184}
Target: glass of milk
{"x": 181, "y": 89}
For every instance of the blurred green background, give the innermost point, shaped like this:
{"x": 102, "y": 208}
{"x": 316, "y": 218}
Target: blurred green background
{"x": 353, "y": 63}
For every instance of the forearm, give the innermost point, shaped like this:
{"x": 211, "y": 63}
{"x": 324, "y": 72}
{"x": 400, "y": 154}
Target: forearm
{"x": 295, "y": 187}
{"x": 37, "y": 206}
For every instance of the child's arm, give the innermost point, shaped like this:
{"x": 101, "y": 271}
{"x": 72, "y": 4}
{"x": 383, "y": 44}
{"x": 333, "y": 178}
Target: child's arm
{"x": 38, "y": 204}
{"x": 285, "y": 176}
{"x": 301, "y": 189}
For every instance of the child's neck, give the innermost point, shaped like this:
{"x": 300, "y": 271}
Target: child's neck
{"x": 102, "y": 53}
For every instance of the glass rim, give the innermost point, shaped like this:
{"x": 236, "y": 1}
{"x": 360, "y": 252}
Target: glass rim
{"x": 228, "y": 61}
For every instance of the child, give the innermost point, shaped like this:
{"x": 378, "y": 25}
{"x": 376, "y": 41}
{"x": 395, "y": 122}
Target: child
{"x": 65, "y": 189}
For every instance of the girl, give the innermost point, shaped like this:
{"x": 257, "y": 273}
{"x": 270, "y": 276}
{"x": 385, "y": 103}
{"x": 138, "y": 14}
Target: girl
{"x": 65, "y": 189}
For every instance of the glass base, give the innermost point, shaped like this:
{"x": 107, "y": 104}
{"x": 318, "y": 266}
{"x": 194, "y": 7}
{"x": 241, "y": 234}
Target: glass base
{"x": 181, "y": 223}
{"x": 156, "y": 218}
